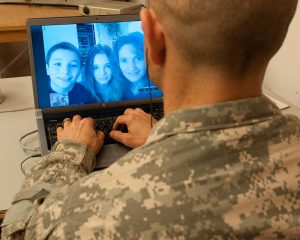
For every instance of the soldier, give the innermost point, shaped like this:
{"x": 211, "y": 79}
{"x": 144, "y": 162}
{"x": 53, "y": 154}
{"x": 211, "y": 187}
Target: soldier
{"x": 223, "y": 163}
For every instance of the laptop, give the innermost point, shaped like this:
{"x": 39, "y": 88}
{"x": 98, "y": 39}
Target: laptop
{"x": 57, "y": 98}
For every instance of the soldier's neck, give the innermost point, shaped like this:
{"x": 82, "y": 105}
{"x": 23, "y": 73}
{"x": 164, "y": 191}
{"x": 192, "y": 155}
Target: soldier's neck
{"x": 204, "y": 88}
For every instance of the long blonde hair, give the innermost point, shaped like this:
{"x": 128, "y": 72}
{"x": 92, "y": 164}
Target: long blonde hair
{"x": 115, "y": 87}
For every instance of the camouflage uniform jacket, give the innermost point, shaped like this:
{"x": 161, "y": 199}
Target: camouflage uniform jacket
{"x": 225, "y": 171}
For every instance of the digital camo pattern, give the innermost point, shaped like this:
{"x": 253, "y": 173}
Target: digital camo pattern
{"x": 226, "y": 171}
{"x": 68, "y": 162}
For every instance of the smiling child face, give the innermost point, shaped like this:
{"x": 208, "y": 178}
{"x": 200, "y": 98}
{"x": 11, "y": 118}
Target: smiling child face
{"x": 63, "y": 69}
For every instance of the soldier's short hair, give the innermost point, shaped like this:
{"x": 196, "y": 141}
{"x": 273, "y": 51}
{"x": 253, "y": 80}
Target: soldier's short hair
{"x": 228, "y": 33}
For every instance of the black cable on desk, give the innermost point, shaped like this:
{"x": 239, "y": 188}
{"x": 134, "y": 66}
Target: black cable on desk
{"x": 26, "y": 159}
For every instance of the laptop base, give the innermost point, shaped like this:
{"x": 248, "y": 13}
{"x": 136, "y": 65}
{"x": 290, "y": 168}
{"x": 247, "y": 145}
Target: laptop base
{"x": 109, "y": 154}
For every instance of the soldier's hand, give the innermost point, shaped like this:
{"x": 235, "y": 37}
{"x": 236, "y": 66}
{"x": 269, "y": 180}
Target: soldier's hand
{"x": 83, "y": 131}
{"x": 138, "y": 127}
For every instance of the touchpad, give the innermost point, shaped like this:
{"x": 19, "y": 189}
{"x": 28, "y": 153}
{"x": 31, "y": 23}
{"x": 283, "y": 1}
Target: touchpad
{"x": 109, "y": 154}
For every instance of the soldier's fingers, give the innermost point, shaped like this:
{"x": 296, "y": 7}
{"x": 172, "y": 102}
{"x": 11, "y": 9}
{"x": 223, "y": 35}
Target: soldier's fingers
{"x": 139, "y": 110}
{"x": 128, "y": 111}
{"x": 121, "y": 120}
{"x": 76, "y": 119}
{"x": 90, "y": 121}
{"x": 119, "y": 137}
{"x": 101, "y": 136}
{"x": 59, "y": 131}
{"x": 66, "y": 122}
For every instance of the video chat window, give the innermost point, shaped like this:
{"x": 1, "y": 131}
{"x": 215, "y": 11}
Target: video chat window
{"x": 93, "y": 63}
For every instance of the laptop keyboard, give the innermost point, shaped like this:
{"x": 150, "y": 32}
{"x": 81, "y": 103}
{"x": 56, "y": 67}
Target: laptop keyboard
{"x": 104, "y": 124}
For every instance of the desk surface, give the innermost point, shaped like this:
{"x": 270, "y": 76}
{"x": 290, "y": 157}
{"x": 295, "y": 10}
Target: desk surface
{"x": 13, "y": 125}
{"x": 13, "y": 17}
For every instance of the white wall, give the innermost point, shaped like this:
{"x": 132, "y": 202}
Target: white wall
{"x": 66, "y": 34}
{"x": 283, "y": 74}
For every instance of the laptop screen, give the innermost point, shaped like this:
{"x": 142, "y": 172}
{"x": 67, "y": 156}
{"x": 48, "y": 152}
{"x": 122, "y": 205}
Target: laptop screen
{"x": 89, "y": 62}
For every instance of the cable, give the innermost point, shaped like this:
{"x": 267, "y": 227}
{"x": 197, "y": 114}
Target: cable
{"x": 149, "y": 85}
{"x": 36, "y": 150}
{"x": 26, "y": 159}
{"x": 17, "y": 110}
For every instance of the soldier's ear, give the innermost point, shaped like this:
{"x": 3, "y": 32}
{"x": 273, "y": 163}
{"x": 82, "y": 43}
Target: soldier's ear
{"x": 154, "y": 36}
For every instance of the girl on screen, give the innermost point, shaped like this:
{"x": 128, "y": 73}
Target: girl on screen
{"x": 63, "y": 66}
{"x": 129, "y": 55}
{"x": 99, "y": 72}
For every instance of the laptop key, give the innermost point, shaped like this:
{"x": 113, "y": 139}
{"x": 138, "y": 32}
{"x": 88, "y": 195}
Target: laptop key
{"x": 105, "y": 125}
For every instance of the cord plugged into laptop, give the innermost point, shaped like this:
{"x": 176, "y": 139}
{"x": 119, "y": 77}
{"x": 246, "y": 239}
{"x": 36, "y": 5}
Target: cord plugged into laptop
{"x": 35, "y": 150}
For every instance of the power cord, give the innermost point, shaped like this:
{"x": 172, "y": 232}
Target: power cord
{"x": 26, "y": 159}
{"x": 36, "y": 150}
{"x": 25, "y": 148}
{"x": 17, "y": 110}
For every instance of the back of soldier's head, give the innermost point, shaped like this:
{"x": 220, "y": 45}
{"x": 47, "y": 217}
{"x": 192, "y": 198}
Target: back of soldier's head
{"x": 226, "y": 33}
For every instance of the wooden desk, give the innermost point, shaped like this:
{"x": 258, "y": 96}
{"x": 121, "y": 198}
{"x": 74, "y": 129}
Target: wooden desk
{"x": 13, "y": 17}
